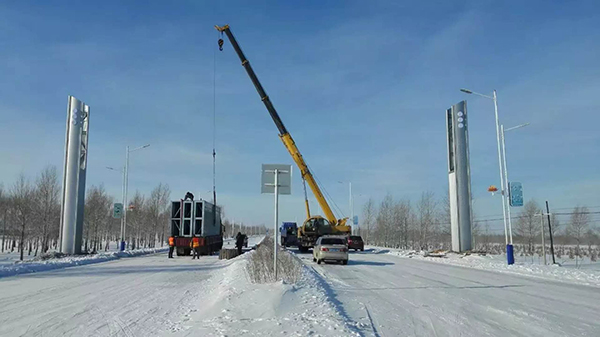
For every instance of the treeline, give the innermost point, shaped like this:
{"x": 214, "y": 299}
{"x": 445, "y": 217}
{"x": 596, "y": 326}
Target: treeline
{"x": 30, "y": 216}
{"x": 231, "y": 228}
{"x": 425, "y": 225}
{"x": 578, "y": 230}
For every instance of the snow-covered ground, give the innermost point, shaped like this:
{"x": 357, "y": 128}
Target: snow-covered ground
{"x": 10, "y": 264}
{"x": 588, "y": 273}
{"x": 376, "y": 294}
{"x": 390, "y": 296}
{"x": 32, "y": 266}
{"x": 155, "y": 296}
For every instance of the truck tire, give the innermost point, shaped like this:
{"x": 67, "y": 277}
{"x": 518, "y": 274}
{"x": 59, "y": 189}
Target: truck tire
{"x": 345, "y": 262}
{"x": 180, "y": 251}
{"x": 187, "y": 251}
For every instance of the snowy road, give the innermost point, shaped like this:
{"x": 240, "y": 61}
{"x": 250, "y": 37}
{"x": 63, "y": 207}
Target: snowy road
{"x": 135, "y": 296}
{"x": 138, "y": 296}
{"x": 394, "y": 296}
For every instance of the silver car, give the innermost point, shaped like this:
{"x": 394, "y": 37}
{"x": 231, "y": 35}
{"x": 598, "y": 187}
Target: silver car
{"x": 330, "y": 248}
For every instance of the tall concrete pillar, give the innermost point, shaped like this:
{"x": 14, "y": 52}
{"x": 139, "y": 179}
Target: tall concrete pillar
{"x": 459, "y": 177}
{"x": 73, "y": 197}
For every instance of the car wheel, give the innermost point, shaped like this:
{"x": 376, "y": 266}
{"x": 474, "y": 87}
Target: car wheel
{"x": 318, "y": 261}
{"x": 362, "y": 249}
{"x": 345, "y": 262}
{"x": 314, "y": 259}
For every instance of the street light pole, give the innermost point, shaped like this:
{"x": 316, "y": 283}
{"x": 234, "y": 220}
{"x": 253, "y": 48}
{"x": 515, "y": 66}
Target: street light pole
{"x": 122, "y": 198}
{"x": 506, "y": 195}
{"x": 126, "y": 187}
{"x": 350, "y": 205}
{"x": 502, "y": 188}
{"x": 509, "y": 247}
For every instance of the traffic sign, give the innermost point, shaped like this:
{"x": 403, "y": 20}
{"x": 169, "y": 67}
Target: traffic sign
{"x": 515, "y": 193}
{"x": 355, "y": 220}
{"x": 118, "y": 210}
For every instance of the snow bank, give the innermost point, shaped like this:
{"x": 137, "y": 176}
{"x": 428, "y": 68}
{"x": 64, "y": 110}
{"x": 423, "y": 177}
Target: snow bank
{"x": 238, "y": 307}
{"x": 33, "y": 266}
{"x": 497, "y": 263}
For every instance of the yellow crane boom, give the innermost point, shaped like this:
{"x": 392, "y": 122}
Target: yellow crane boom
{"x": 286, "y": 138}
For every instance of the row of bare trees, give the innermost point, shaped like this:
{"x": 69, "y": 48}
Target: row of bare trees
{"x": 425, "y": 225}
{"x": 231, "y": 228}
{"x": 578, "y": 230}
{"x": 30, "y": 216}
{"x": 30, "y": 213}
{"x": 400, "y": 224}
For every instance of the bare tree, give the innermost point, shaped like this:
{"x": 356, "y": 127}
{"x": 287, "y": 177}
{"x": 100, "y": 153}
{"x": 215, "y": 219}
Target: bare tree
{"x": 158, "y": 212}
{"x": 368, "y": 219}
{"x": 578, "y": 226}
{"x": 22, "y": 195}
{"x": 403, "y": 218}
{"x": 47, "y": 205}
{"x": 427, "y": 219}
{"x": 97, "y": 216}
{"x": 385, "y": 222}
{"x": 528, "y": 226}
{"x": 136, "y": 219}
{"x": 556, "y": 225}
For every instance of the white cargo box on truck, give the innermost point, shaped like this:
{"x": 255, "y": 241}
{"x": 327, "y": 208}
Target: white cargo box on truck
{"x": 197, "y": 217}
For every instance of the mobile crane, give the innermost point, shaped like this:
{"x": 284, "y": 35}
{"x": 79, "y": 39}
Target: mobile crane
{"x": 313, "y": 226}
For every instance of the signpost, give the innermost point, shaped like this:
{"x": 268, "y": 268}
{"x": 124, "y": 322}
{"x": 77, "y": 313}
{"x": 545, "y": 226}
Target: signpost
{"x": 276, "y": 179}
{"x": 515, "y": 194}
{"x": 118, "y": 210}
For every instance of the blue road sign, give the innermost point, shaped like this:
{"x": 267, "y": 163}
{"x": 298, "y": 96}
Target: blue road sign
{"x": 515, "y": 194}
{"x": 118, "y": 210}
{"x": 355, "y": 220}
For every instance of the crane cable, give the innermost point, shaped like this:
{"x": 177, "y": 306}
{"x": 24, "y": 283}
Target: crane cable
{"x": 214, "y": 151}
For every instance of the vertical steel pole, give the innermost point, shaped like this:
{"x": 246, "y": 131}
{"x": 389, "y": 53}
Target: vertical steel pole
{"x": 509, "y": 247}
{"x": 123, "y": 203}
{"x": 543, "y": 236}
{"x": 124, "y": 229}
{"x": 276, "y": 221}
{"x": 550, "y": 231}
{"x": 350, "y": 205}
{"x": 500, "y": 167}
{"x": 510, "y": 237}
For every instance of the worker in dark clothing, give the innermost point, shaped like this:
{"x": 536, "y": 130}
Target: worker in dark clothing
{"x": 189, "y": 195}
{"x": 195, "y": 244}
{"x": 171, "y": 246}
{"x": 239, "y": 242}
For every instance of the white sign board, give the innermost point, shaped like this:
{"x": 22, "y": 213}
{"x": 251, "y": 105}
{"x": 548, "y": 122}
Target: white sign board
{"x": 267, "y": 181}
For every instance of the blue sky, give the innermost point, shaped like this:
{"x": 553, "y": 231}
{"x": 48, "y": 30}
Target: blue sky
{"x": 362, "y": 86}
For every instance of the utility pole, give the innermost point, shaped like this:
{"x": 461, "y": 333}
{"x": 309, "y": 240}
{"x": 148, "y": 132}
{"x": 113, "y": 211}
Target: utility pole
{"x": 550, "y": 228}
{"x": 543, "y": 236}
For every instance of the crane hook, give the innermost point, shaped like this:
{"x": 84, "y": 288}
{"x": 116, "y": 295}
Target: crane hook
{"x": 221, "y": 44}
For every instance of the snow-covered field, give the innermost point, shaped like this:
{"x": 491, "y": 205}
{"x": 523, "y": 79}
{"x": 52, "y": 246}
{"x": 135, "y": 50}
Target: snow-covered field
{"x": 588, "y": 273}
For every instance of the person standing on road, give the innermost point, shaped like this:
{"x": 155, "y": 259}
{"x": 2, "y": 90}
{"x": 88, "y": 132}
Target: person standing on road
{"x": 239, "y": 242}
{"x": 171, "y": 246}
{"x": 195, "y": 244}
